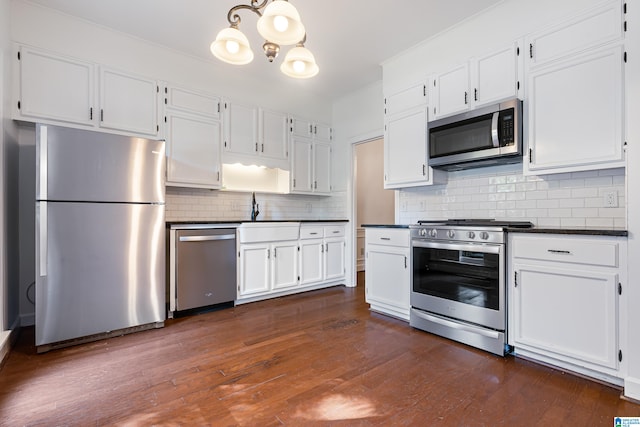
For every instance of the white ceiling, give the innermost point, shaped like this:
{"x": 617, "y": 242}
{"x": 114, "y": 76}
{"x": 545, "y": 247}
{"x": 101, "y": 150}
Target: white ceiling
{"x": 349, "y": 38}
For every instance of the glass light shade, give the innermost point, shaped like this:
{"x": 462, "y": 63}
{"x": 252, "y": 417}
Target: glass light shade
{"x": 232, "y": 46}
{"x": 274, "y": 28}
{"x": 299, "y": 63}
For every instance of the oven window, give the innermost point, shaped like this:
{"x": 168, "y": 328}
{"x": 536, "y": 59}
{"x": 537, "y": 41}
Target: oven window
{"x": 468, "y": 277}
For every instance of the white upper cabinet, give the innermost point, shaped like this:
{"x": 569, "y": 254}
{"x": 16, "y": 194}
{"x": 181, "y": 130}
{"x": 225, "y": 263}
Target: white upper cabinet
{"x": 274, "y": 136}
{"x": 405, "y": 139}
{"x": 495, "y": 76}
{"x": 575, "y": 93}
{"x": 53, "y": 87}
{"x": 193, "y": 102}
{"x": 450, "y": 91}
{"x": 128, "y": 103}
{"x": 485, "y": 79}
{"x": 241, "y": 129}
{"x": 255, "y": 136}
{"x": 311, "y": 157}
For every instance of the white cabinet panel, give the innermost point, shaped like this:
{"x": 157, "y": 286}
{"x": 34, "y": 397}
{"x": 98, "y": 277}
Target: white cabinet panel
{"x": 128, "y": 103}
{"x": 405, "y": 99}
{"x": 302, "y": 166}
{"x": 387, "y": 271}
{"x": 285, "y": 265}
{"x": 495, "y": 76}
{"x": 192, "y": 102}
{"x": 594, "y": 27}
{"x": 322, "y": 132}
{"x": 311, "y": 261}
{"x": 254, "y": 270}
{"x": 274, "y": 136}
{"x": 193, "y": 150}
{"x": 567, "y": 311}
{"x": 241, "y": 129}
{"x": 405, "y": 149}
{"x": 334, "y": 267}
{"x": 451, "y": 92}
{"x": 322, "y": 168}
{"x": 585, "y": 130}
{"x": 54, "y": 87}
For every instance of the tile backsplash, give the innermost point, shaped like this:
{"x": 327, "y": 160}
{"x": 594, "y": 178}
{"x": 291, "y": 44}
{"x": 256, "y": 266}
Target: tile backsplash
{"x": 559, "y": 200}
{"x": 186, "y": 204}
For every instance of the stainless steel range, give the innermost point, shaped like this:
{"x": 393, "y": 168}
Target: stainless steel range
{"x": 458, "y": 280}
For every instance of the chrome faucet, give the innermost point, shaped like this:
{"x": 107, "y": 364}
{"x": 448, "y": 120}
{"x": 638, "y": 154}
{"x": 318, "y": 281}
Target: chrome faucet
{"x": 255, "y": 208}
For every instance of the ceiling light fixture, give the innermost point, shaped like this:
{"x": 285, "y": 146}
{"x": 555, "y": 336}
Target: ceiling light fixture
{"x": 279, "y": 24}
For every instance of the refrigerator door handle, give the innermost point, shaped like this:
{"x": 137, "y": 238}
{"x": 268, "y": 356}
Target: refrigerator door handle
{"x": 42, "y": 193}
{"x": 42, "y": 230}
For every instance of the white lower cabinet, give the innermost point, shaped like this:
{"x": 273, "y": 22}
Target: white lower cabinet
{"x": 322, "y": 253}
{"x": 564, "y": 301}
{"x": 276, "y": 259}
{"x": 387, "y": 271}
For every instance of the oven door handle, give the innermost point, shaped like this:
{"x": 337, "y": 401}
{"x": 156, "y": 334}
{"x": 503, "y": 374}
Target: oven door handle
{"x": 455, "y": 325}
{"x": 469, "y": 247}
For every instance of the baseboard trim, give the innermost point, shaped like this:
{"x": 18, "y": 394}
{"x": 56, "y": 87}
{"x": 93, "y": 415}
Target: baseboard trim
{"x": 632, "y": 388}
{"x": 7, "y": 340}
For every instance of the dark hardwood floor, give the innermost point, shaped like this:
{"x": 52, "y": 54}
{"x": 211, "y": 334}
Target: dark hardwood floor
{"x": 318, "y": 358}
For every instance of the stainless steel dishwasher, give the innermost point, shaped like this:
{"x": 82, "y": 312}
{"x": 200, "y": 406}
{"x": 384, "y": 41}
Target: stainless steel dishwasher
{"x": 205, "y": 267}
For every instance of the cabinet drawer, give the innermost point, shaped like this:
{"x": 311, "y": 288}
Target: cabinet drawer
{"x": 334, "y": 231}
{"x": 314, "y": 232}
{"x": 567, "y": 251}
{"x": 387, "y": 236}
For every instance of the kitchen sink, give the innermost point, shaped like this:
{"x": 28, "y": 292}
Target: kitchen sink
{"x": 264, "y": 231}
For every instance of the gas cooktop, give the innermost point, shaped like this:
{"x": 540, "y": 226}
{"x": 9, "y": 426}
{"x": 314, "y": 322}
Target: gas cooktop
{"x": 478, "y": 222}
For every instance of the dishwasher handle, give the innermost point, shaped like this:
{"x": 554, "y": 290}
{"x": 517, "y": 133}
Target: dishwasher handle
{"x": 207, "y": 238}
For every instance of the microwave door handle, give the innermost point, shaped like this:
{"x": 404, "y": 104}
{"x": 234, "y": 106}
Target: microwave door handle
{"x": 494, "y": 129}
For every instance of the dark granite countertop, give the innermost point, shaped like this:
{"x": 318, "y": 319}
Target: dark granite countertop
{"x": 170, "y": 224}
{"x": 385, "y": 225}
{"x": 586, "y": 231}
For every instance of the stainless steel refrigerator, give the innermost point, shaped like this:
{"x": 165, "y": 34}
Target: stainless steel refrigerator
{"x": 100, "y": 235}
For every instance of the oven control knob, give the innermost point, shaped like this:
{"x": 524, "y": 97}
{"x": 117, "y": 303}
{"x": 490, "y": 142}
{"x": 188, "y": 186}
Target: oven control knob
{"x": 433, "y": 233}
{"x": 484, "y": 235}
{"x": 422, "y": 232}
{"x": 471, "y": 235}
{"x": 451, "y": 234}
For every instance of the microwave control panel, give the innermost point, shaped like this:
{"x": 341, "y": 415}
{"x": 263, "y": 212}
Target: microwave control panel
{"x": 507, "y": 127}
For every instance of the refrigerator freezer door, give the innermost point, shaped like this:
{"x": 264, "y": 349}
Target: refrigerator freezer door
{"x": 104, "y": 268}
{"x": 88, "y": 166}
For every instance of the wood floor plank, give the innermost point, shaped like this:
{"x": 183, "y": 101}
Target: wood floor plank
{"x": 313, "y": 359}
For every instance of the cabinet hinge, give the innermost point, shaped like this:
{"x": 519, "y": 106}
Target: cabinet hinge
{"x": 165, "y": 101}
{"x": 165, "y": 119}
{"x": 518, "y": 51}
{"x": 18, "y": 56}
{"x": 424, "y": 90}
{"x": 101, "y": 115}
{"x": 517, "y": 85}
{"x": 619, "y": 355}
{"x": 238, "y": 254}
{"x": 157, "y": 89}
{"x": 157, "y": 128}
{"x": 225, "y": 144}
{"x": 434, "y": 110}
{"x": 298, "y": 278}
{"x": 619, "y": 288}
{"x": 515, "y": 278}
{"x": 475, "y": 94}
{"x": 218, "y": 107}
{"x": 434, "y": 83}
{"x": 166, "y": 90}
{"x": 18, "y": 105}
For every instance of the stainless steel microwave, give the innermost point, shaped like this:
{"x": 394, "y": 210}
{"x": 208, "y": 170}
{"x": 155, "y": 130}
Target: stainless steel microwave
{"x": 483, "y": 137}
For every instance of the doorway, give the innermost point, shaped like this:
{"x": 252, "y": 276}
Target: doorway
{"x": 373, "y": 204}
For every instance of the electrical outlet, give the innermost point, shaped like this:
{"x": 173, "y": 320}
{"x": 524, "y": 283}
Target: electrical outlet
{"x": 423, "y": 205}
{"x": 309, "y": 207}
{"x": 404, "y": 206}
{"x": 611, "y": 199}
